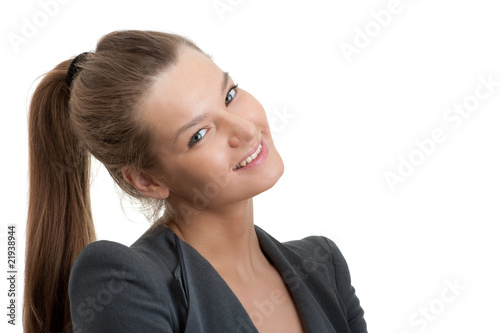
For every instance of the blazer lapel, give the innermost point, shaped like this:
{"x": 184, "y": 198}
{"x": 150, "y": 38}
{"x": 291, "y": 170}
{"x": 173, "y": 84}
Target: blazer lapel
{"x": 316, "y": 300}
{"x": 214, "y": 308}
{"x": 212, "y": 305}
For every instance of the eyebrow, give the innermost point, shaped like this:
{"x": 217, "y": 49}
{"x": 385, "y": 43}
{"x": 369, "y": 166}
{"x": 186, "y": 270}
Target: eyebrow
{"x": 203, "y": 116}
{"x": 224, "y": 82}
{"x": 192, "y": 123}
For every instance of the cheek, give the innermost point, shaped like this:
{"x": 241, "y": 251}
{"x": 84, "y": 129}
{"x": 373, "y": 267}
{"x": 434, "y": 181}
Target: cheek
{"x": 193, "y": 174}
{"x": 258, "y": 115}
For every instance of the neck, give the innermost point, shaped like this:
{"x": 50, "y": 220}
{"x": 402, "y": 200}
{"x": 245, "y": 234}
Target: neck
{"x": 226, "y": 238}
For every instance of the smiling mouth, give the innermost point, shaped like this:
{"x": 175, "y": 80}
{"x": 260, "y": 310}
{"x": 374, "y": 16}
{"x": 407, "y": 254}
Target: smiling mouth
{"x": 249, "y": 159}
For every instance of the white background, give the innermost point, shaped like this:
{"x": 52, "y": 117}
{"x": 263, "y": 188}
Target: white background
{"x": 349, "y": 122}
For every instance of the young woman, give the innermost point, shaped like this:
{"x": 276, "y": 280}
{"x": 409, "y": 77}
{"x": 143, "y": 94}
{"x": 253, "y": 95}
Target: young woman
{"x": 176, "y": 132}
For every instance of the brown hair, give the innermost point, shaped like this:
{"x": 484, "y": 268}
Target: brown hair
{"x": 99, "y": 116}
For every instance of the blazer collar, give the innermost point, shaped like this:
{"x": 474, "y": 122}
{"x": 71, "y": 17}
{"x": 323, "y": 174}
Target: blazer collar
{"x": 300, "y": 280}
{"x": 212, "y": 304}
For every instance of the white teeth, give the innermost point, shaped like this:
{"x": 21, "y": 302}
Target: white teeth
{"x": 249, "y": 158}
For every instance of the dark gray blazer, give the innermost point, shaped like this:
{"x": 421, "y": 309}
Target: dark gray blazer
{"x": 162, "y": 284}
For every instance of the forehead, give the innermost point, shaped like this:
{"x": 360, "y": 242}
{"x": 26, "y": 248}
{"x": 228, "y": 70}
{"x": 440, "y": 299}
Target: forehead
{"x": 187, "y": 89}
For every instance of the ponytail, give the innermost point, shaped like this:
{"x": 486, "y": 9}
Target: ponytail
{"x": 102, "y": 118}
{"x": 59, "y": 221}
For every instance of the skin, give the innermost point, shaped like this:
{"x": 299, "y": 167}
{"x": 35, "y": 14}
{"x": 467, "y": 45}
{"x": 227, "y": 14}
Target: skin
{"x": 215, "y": 200}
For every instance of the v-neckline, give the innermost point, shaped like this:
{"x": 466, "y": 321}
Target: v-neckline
{"x": 273, "y": 262}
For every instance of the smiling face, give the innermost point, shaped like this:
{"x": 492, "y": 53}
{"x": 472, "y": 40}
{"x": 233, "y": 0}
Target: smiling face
{"x": 214, "y": 139}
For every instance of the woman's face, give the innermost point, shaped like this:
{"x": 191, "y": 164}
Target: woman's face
{"x": 206, "y": 128}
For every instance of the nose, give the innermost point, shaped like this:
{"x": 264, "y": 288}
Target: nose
{"x": 241, "y": 131}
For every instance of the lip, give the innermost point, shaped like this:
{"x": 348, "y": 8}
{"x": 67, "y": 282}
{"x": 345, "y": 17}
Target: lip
{"x": 257, "y": 161}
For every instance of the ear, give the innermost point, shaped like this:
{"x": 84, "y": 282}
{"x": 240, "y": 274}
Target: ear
{"x": 145, "y": 183}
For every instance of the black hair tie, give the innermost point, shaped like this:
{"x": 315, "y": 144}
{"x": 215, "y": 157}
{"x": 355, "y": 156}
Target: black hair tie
{"x": 73, "y": 68}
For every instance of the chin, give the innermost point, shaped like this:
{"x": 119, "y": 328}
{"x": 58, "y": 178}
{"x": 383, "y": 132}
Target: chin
{"x": 272, "y": 175}
{"x": 267, "y": 178}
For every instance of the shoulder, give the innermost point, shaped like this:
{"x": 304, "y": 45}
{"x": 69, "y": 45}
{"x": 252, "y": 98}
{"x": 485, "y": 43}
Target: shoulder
{"x": 324, "y": 258}
{"x": 151, "y": 255}
{"x": 110, "y": 259}
{"x": 106, "y": 270}
{"x": 319, "y": 246}
{"x": 314, "y": 253}
{"x": 107, "y": 258}
{"x": 321, "y": 260}
{"x": 114, "y": 288}
{"x": 319, "y": 249}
